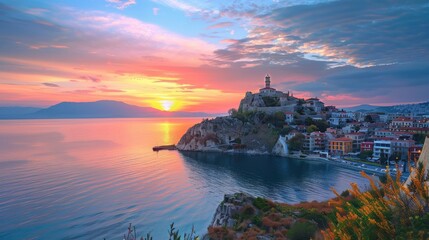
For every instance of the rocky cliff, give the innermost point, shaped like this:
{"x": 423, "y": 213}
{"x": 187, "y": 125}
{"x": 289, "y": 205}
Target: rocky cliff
{"x": 230, "y": 134}
{"x": 242, "y": 216}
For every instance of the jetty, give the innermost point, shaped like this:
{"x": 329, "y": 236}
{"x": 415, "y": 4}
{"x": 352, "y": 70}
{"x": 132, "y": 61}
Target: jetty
{"x": 164, "y": 147}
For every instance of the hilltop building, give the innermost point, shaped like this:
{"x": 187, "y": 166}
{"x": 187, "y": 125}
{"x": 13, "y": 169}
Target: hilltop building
{"x": 315, "y": 104}
{"x": 268, "y": 100}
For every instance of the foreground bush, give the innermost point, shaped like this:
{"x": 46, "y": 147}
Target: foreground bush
{"x": 389, "y": 210}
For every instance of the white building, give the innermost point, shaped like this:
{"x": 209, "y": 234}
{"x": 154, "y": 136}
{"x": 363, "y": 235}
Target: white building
{"x": 401, "y": 122}
{"x": 382, "y": 147}
{"x": 289, "y": 117}
{"x": 315, "y": 104}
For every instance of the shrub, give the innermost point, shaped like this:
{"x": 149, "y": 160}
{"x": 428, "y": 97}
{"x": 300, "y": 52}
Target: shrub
{"x": 302, "y": 231}
{"x": 257, "y": 220}
{"x": 247, "y": 211}
{"x": 220, "y": 233}
{"x": 261, "y": 203}
{"x": 319, "y": 218}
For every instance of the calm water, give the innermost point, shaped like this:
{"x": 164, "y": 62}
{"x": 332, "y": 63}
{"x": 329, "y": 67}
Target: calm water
{"x": 88, "y": 179}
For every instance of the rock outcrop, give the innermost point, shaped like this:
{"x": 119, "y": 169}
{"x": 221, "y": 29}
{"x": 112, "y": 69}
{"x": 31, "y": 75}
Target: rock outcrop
{"x": 229, "y": 134}
{"x": 281, "y": 147}
{"x": 231, "y": 205}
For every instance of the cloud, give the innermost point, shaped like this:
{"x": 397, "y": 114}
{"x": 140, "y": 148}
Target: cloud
{"x": 185, "y": 6}
{"x": 122, "y": 4}
{"x": 91, "y": 78}
{"x": 155, "y": 11}
{"x": 221, "y": 25}
{"x": 51, "y": 84}
{"x": 348, "y": 49}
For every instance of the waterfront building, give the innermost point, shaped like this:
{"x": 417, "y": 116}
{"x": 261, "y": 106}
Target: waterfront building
{"x": 414, "y": 153}
{"x": 382, "y": 148}
{"x": 357, "y": 139}
{"x": 366, "y": 146}
{"x": 400, "y": 148}
{"x": 340, "y": 146}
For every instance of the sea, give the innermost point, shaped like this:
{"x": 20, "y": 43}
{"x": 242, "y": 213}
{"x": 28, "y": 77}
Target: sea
{"x": 91, "y": 178}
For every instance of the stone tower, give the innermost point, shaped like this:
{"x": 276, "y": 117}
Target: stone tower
{"x": 267, "y": 81}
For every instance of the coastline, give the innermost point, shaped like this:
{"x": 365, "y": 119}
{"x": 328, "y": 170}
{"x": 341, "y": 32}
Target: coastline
{"x": 370, "y": 169}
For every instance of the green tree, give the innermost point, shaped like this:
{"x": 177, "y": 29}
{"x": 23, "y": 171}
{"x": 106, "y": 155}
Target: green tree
{"x": 383, "y": 159}
{"x": 279, "y": 119}
{"x": 357, "y": 128}
{"x": 312, "y": 128}
{"x": 296, "y": 143}
{"x": 395, "y": 157}
{"x": 286, "y": 130}
{"x": 369, "y": 119}
{"x": 419, "y": 138}
{"x": 322, "y": 125}
{"x": 365, "y": 155}
{"x": 308, "y": 121}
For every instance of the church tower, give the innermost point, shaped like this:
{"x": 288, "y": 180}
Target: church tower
{"x": 267, "y": 81}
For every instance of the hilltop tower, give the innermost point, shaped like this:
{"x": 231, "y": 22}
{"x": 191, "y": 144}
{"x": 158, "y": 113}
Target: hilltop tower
{"x": 267, "y": 81}
{"x": 267, "y": 90}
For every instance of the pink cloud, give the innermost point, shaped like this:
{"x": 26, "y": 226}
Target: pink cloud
{"x": 91, "y": 78}
{"x": 122, "y": 4}
{"x": 220, "y": 25}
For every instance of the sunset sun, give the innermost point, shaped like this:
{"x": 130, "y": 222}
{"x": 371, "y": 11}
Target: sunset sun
{"x": 166, "y": 105}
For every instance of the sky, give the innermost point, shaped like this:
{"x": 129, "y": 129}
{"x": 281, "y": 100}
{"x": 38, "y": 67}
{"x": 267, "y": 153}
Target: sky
{"x": 200, "y": 55}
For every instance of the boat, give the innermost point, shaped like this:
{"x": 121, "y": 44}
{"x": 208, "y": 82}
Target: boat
{"x": 164, "y": 147}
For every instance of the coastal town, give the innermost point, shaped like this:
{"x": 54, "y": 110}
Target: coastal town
{"x": 307, "y": 128}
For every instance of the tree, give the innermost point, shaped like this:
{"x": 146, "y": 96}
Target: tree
{"x": 395, "y": 157}
{"x": 357, "y": 128}
{"x": 322, "y": 125}
{"x": 312, "y": 128}
{"x": 369, "y": 119}
{"x": 383, "y": 159}
{"x": 279, "y": 119}
{"x": 419, "y": 138}
{"x": 308, "y": 121}
{"x": 296, "y": 143}
{"x": 365, "y": 155}
{"x": 232, "y": 112}
{"x": 286, "y": 130}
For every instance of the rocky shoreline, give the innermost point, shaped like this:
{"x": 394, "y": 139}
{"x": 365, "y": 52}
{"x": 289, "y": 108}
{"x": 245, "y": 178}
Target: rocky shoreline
{"x": 229, "y": 134}
{"x": 242, "y": 216}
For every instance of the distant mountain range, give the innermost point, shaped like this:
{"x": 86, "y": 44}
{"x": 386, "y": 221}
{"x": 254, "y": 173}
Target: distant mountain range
{"x": 360, "y": 108}
{"x": 98, "y": 109}
{"x": 417, "y": 108}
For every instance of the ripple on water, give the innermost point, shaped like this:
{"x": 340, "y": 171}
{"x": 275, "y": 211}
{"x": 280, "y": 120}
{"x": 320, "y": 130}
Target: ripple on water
{"x": 81, "y": 193}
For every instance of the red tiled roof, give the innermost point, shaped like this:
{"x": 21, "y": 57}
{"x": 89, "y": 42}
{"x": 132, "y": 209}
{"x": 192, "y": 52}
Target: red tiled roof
{"x": 342, "y": 139}
{"x": 356, "y": 134}
{"x": 402, "y": 119}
